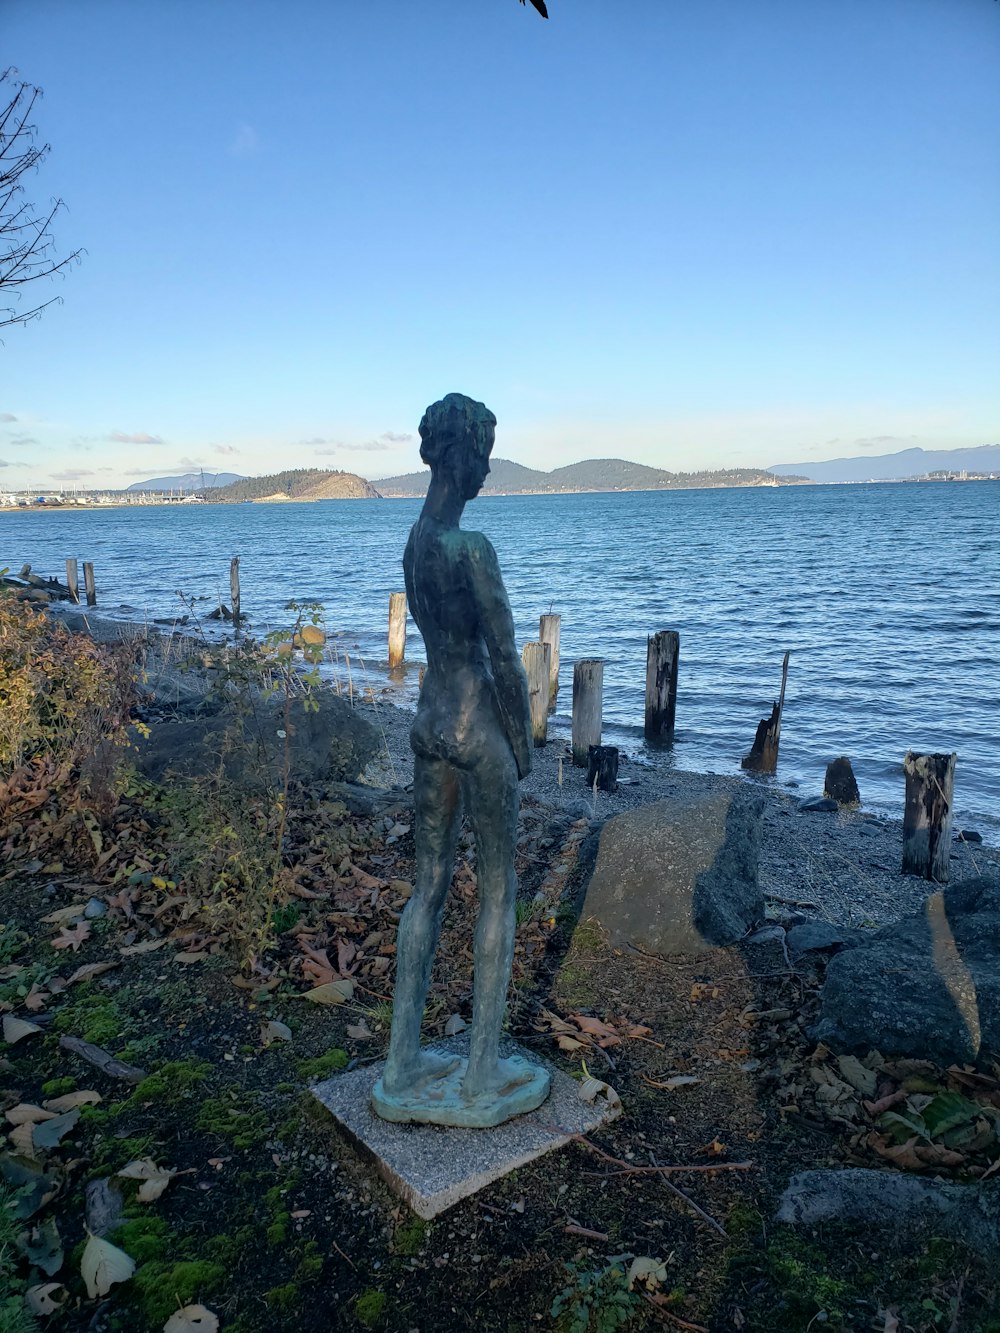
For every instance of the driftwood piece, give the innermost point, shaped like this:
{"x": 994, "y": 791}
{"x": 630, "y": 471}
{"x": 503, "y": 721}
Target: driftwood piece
{"x": 106, "y": 1063}
{"x": 763, "y": 756}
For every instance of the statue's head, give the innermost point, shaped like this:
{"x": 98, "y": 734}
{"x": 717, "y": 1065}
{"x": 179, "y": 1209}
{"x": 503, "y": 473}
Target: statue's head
{"x": 456, "y": 436}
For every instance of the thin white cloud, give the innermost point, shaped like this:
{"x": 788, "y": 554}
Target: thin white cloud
{"x": 396, "y": 437}
{"x": 226, "y": 449}
{"x": 138, "y": 437}
{"x": 72, "y": 474}
{"x": 246, "y": 142}
{"x": 7, "y": 416}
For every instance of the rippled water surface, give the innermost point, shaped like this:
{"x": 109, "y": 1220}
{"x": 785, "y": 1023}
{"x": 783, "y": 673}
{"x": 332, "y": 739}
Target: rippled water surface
{"x": 887, "y": 595}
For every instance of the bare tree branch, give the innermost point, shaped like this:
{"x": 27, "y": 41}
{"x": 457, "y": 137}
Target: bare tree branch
{"x": 27, "y": 246}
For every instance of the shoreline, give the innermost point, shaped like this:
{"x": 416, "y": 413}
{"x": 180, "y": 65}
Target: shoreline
{"x": 846, "y": 863}
{"x": 867, "y": 838}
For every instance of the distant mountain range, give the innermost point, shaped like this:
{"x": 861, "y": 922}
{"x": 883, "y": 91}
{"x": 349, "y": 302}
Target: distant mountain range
{"x": 905, "y": 464}
{"x": 594, "y": 474}
{"x": 188, "y": 481}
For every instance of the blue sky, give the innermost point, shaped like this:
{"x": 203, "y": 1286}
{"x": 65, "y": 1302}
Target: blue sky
{"x": 702, "y": 234}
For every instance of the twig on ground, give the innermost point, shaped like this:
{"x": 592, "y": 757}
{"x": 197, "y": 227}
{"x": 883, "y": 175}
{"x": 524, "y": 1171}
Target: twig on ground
{"x": 346, "y": 1257}
{"x": 628, "y": 1169}
{"x": 706, "y": 1217}
{"x": 105, "y": 1062}
{"x": 672, "y": 1318}
{"x": 956, "y": 1317}
{"x": 573, "y": 1230}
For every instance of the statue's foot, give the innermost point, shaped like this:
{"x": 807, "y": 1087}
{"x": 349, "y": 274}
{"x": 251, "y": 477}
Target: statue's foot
{"x": 498, "y": 1079}
{"x": 414, "y": 1075}
{"x": 445, "y": 1095}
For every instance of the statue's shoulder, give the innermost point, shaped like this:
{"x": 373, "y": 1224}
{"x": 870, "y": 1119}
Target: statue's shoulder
{"x": 478, "y": 550}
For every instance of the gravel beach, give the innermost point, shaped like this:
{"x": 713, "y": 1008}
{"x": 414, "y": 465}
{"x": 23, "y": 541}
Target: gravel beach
{"x": 842, "y": 867}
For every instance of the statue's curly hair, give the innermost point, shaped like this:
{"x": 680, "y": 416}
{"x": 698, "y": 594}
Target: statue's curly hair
{"x": 455, "y": 419}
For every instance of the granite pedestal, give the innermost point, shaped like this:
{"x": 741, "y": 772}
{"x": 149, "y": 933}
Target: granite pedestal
{"x": 433, "y": 1168}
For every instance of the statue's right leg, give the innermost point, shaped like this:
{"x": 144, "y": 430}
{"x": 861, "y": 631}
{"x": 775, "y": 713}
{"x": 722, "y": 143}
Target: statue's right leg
{"x": 437, "y": 813}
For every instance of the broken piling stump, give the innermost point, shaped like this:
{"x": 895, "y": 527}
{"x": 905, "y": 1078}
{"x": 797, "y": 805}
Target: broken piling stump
{"x": 535, "y": 657}
{"x": 602, "y": 767}
{"x": 397, "y": 628}
{"x": 73, "y": 580}
{"x": 88, "y": 582}
{"x": 548, "y": 632}
{"x": 662, "y": 650}
{"x": 840, "y": 784}
{"x": 763, "y": 756}
{"x": 588, "y": 689}
{"x": 927, "y": 814}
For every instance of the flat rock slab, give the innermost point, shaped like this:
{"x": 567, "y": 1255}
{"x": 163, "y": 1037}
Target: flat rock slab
{"x": 433, "y": 1168}
{"x": 680, "y": 876}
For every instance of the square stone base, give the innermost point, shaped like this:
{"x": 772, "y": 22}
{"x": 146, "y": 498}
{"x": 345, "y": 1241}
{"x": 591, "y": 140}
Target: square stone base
{"x": 432, "y": 1168}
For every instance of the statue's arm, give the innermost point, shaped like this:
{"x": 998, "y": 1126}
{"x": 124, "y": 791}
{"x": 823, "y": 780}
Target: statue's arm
{"x": 497, "y": 625}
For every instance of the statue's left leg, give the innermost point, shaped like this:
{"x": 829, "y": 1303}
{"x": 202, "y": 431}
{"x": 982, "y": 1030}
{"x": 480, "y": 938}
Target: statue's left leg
{"x": 491, "y": 799}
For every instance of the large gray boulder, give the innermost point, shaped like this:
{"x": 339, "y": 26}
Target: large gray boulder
{"x": 895, "y": 1205}
{"x": 328, "y": 742}
{"x": 680, "y": 876}
{"x": 927, "y": 986}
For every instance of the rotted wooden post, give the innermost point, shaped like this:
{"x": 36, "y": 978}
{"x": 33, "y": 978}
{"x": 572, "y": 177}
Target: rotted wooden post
{"x": 88, "y": 582}
{"x": 588, "y": 690}
{"x": 548, "y": 632}
{"x": 397, "y": 628}
{"x": 535, "y": 657}
{"x": 602, "y": 767}
{"x": 234, "y": 590}
{"x": 763, "y": 756}
{"x": 927, "y": 814}
{"x": 662, "y": 650}
{"x": 73, "y": 580}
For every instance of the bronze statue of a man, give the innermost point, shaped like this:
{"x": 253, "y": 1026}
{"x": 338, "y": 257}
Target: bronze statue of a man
{"x": 472, "y": 743}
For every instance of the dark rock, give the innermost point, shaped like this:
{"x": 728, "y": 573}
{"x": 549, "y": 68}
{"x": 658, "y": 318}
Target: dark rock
{"x": 969, "y": 835}
{"x": 840, "y": 784}
{"x": 332, "y": 743}
{"x": 820, "y": 936}
{"x": 680, "y": 876}
{"x": 927, "y": 986}
{"x": 819, "y": 804}
{"x": 895, "y": 1205}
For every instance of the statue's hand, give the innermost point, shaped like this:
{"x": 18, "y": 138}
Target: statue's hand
{"x": 523, "y": 756}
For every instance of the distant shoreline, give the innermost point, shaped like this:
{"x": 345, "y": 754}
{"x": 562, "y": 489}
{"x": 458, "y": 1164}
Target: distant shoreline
{"x": 72, "y": 506}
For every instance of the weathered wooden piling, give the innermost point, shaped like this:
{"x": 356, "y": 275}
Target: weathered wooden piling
{"x": 840, "y": 784}
{"x": 662, "y": 651}
{"x": 88, "y": 582}
{"x": 602, "y": 767}
{"x": 549, "y": 627}
{"x": 535, "y": 657}
{"x": 73, "y": 580}
{"x": 588, "y": 690}
{"x": 397, "y": 628}
{"x": 927, "y": 813}
{"x": 234, "y": 590}
{"x": 763, "y": 756}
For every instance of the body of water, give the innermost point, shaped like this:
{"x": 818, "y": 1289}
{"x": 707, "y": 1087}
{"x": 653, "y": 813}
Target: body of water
{"x": 888, "y": 597}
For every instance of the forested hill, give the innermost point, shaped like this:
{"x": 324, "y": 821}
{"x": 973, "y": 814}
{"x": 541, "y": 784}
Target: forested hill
{"x": 303, "y": 483}
{"x": 594, "y": 474}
